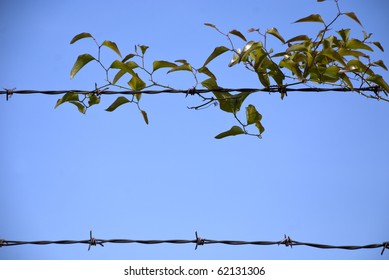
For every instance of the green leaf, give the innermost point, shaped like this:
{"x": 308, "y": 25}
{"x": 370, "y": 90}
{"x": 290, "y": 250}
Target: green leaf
{"x": 356, "y": 44}
{"x": 378, "y": 45}
{"x": 356, "y": 65}
{"x": 112, "y": 46}
{"x": 346, "y": 80}
{"x": 118, "y": 102}
{"x": 81, "y": 61}
{"x": 81, "y": 108}
{"x": 331, "y": 53}
{"x": 144, "y": 114}
{"x": 250, "y": 46}
{"x": 381, "y": 64}
{"x": 216, "y": 52}
{"x": 252, "y": 115}
{"x": 260, "y": 127}
{"x": 136, "y": 83}
{"x": 353, "y": 17}
{"x": 143, "y": 48}
{"x": 129, "y": 56}
{"x": 298, "y": 38}
{"x": 93, "y": 100}
{"x": 206, "y": 71}
{"x": 223, "y": 98}
{"x": 157, "y": 64}
{"x": 311, "y": 18}
{"x": 345, "y": 34}
{"x": 273, "y": 31}
{"x": 347, "y": 52}
{"x": 378, "y": 80}
{"x": 70, "y": 96}
{"x": 126, "y": 68}
{"x": 183, "y": 67}
{"x": 210, "y": 25}
{"x": 80, "y": 36}
{"x": 235, "y": 130}
{"x": 301, "y": 47}
{"x": 238, "y": 34}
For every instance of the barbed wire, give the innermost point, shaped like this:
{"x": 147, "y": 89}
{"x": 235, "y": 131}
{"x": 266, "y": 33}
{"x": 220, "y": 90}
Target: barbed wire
{"x": 198, "y": 241}
{"x": 272, "y": 89}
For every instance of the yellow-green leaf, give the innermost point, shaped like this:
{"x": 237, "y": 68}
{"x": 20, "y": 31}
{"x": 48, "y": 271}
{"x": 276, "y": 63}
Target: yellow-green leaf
{"x": 378, "y": 80}
{"x": 331, "y": 53}
{"x": 216, "y": 52}
{"x": 381, "y": 64}
{"x": 136, "y": 83}
{"x": 118, "y": 102}
{"x": 252, "y": 114}
{"x": 81, "y": 61}
{"x": 357, "y": 44}
{"x": 112, "y": 46}
{"x": 80, "y": 36}
{"x": 144, "y": 114}
{"x": 378, "y": 45}
{"x": 311, "y": 18}
{"x": 69, "y": 96}
{"x": 238, "y": 34}
{"x": 353, "y": 17}
{"x": 273, "y": 31}
{"x": 157, "y": 64}
{"x": 183, "y": 67}
{"x": 235, "y": 130}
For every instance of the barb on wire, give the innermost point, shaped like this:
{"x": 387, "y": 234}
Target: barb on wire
{"x": 198, "y": 241}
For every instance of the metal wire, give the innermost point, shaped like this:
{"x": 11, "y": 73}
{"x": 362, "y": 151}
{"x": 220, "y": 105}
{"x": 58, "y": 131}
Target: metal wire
{"x": 9, "y": 92}
{"x": 198, "y": 241}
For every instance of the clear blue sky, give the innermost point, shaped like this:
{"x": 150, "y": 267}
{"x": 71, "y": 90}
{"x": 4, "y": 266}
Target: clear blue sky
{"x": 320, "y": 173}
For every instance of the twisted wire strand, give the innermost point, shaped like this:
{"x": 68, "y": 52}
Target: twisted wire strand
{"x": 192, "y": 91}
{"x": 287, "y": 241}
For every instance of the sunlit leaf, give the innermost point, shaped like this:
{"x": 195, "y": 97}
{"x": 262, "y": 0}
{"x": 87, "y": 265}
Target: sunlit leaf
{"x": 264, "y": 79}
{"x": 331, "y": 53}
{"x": 347, "y": 52}
{"x": 144, "y": 114}
{"x": 235, "y": 130}
{"x": 248, "y": 48}
{"x": 378, "y": 45}
{"x": 157, "y": 64}
{"x": 143, "y": 48}
{"x": 356, "y": 65}
{"x": 252, "y": 115}
{"x": 70, "y": 96}
{"x": 81, "y": 108}
{"x": 123, "y": 69}
{"x": 80, "y": 36}
{"x": 353, "y": 17}
{"x": 93, "y": 100}
{"x": 260, "y": 127}
{"x": 127, "y": 57}
{"x": 216, "y": 52}
{"x": 238, "y": 34}
{"x": 378, "y": 80}
{"x": 381, "y": 64}
{"x": 81, "y": 61}
{"x": 300, "y": 47}
{"x": 183, "y": 67}
{"x": 234, "y": 60}
{"x": 357, "y": 44}
{"x": 118, "y": 102}
{"x": 345, "y": 34}
{"x": 136, "y": 83}
{"x": 311, "y": 18}
{"x": 346, "y": 80}
{"x": 126, "y": 67}
{"x": 298, "y": 38}
{"x": 112, "y": 46}
{"x": 206, "y": 71}
{"x": 273, "y": 31}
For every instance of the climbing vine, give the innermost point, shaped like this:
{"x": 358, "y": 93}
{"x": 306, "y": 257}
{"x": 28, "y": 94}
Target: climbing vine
{"x": 331, "y": 57}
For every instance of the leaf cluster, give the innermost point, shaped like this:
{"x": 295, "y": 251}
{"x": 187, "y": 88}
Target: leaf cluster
{"x": 329, "y": 57}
